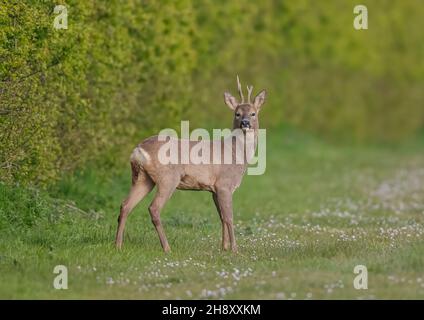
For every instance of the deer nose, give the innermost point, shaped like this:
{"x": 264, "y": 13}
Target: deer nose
{"x": 245, "y": 123}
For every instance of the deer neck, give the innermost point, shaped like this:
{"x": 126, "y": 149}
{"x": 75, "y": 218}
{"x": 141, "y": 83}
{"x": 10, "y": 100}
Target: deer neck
{"x": 247, "y": 141}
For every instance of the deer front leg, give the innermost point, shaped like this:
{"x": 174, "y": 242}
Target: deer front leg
{"x": 225, "y": 236}
{"x": 225, "y": 201}
{"x": 154, "y": 209}
{"x": 165, "y": 191}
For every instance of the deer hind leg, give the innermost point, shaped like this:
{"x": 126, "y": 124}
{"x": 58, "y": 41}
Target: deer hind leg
{"x": 165, "y": 191}
{"x": 142, "y": 184}
{"x": 225, "y": 235}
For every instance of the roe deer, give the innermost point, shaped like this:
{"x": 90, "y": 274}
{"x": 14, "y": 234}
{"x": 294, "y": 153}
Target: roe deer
{"x": 220, "y": 179}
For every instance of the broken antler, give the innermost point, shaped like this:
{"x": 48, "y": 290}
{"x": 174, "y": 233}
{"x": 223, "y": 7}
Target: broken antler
{"x": 239, "y": 89}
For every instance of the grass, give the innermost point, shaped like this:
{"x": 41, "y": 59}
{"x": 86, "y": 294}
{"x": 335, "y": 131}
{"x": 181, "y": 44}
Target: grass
{"x": 302, "y": 227}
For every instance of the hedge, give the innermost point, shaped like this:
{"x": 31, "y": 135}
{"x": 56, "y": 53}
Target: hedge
{"x": 126, "y": 69}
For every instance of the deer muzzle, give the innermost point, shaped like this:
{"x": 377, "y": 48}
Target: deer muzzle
{"x": 245, "y": 124}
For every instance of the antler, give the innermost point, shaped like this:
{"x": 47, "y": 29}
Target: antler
{"x": 239, "y": 90}
{"x": 249, "y": 93}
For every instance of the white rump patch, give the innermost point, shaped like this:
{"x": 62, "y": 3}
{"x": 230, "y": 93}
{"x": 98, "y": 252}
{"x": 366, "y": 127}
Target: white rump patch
{"x": 140, "y": 155}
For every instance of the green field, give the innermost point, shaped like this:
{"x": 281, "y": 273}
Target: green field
{"x": 319, "y": 210}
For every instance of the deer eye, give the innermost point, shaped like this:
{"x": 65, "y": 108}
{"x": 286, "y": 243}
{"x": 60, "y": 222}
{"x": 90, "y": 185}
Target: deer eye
{"x": 253, "y": 114}
{"x": 238, "y": 114}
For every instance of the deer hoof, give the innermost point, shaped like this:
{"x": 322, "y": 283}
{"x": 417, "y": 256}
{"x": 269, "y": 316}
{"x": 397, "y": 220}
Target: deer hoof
{"x": 225, "y": 246}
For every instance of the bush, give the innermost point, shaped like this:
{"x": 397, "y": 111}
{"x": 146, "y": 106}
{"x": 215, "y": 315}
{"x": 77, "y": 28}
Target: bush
{"x": 119, "y": 71}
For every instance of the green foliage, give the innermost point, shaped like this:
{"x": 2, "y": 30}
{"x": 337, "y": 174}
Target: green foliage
{"x": 21, "y": 208}
{"x": 120, "y": 71}
{"x": 126, "y": 69}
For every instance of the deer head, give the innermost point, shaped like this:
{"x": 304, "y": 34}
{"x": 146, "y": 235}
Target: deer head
{"x": 245, "y": 113}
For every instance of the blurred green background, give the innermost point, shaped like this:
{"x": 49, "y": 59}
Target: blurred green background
{"x": 123, "y": 70}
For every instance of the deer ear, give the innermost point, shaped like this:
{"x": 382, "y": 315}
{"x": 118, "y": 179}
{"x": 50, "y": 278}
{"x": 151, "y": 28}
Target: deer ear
{"x": 259, "y": 99}
{"x": 230, "y": 101}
